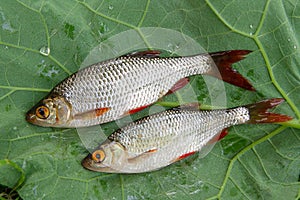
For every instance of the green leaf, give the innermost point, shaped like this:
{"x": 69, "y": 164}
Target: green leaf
{"x": 11, "y": 175}
{"x": 42, "y": 42}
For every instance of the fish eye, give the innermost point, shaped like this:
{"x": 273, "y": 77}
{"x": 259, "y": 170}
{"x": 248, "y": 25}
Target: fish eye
{"x": 98, "y": 155}
{"x": 42, "y": 112}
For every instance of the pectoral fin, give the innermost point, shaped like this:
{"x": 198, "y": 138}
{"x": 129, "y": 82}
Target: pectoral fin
{"x": 91, "y": 114}
{"x": 136, "y": 110}
{"x": 142, "y": 156}
{"x": 183, "y": 156}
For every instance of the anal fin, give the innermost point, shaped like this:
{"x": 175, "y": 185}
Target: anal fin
{"x": 220, "y": 136}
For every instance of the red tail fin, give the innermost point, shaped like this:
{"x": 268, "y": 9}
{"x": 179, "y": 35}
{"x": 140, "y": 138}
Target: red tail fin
{"x": 223, "y": 61}
{"x": 259, "y": 112}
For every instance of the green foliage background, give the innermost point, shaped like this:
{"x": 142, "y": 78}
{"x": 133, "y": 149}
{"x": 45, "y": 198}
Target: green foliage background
{"x": 252, "y": 162}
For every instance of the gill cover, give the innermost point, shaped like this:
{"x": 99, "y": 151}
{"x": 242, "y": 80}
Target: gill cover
{"x": 109, "y": 157}
{"x": 50, "y": 112}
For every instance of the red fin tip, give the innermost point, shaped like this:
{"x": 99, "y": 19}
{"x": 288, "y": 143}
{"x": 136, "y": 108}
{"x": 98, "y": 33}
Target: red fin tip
{"x": 136, "y": 110}
{"x": 151, "y": 151}
{"x": 101, "y": 111}
{"x": 184, "y": 156}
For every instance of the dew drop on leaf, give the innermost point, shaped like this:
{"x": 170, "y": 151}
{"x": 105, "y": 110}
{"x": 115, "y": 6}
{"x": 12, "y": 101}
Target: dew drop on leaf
{"x": 45, "y": 70}
{"x": 110, "y": 7}
{"x": 45, "y": 51}
{"x": 34, "y": 190}
{"x": 7, "y": 27}
{"x": 24, "y": 164}
{"x": 103, "y": 28}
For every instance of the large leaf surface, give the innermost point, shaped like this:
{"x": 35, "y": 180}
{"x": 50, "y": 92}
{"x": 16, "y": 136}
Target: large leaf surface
{"x": 252, "y": 162}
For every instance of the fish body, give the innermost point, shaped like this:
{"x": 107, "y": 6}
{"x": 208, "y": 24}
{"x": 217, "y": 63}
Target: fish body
{"x": 109, "y": 90}
{"x": 161, "y": 139}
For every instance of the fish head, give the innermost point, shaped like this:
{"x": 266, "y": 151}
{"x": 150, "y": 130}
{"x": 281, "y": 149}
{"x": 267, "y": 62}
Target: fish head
{"x": 51, "y": 111}
{"x": 109, "y": 157}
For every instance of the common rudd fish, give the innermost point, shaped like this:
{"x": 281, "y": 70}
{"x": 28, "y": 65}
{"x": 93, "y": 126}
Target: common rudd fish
{"x": 111, "y": 89}
{"x": 161, "y": 139}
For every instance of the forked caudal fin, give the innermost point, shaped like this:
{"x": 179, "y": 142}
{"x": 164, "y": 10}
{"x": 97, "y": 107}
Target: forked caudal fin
{"x": 223, "y": 61}
{"x": 259, "y": 112}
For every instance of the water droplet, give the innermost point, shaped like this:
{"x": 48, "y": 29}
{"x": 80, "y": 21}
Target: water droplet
{"x": 289, "y": 39}
{"x": 53, "y": 136}
{"x": 53, "y": 32}
{"x": 131, "y": 197}
{"x": 251, "y": 26}
{"x": 45, "y": 51}
{"x": 15, "y": 128}
{"x": 5, "y": 47}
{"x": 110, "y": 7}
{"x": 295, "y": 47}
{"x": 24, "y": 164}
{"x": 250, "y": 34}
{"x": 6, "y": 25}
{"x": 170, "y": 48}
{"x": 103, "y": 28}
{"x": 34, "y": 190}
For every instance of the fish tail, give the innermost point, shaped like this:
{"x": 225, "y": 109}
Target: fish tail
{"x": 225, "y": 72}
{"x": 259, "y": 112}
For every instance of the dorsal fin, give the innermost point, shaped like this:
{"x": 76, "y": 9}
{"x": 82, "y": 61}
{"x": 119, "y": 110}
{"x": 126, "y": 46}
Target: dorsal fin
{"x": 189, "y": 106}
{"x": 147, "y": 53}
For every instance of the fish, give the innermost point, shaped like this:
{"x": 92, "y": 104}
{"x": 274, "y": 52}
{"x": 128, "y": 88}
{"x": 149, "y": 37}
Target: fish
{"x": 161, "y": 139}
{"x": 111, "y": 89}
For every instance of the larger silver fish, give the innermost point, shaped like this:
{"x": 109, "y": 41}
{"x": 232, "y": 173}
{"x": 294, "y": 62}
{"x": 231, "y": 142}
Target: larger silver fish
{"x": 164, "y": 138}
{"x": 109, "y": 90}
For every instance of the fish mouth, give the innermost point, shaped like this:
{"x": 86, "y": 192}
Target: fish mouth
{"x": 30, "y": 117}
{"x": 86, "y": 162}
{"x": 89, "y": 164}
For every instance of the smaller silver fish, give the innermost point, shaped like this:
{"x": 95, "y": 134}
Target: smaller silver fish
{"x": 161, "y": 139}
